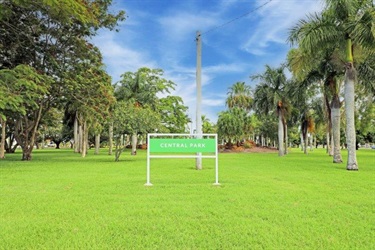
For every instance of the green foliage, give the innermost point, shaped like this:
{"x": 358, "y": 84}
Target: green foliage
{"x": 144, "y": 87}
{"x": 230, "y": 124}
{"x": 61, "y": 201}
{"x": 270, "y": 93}
{"x": 173, "y": 114}
{"x": 366, "y": 118}
{"x": 270, "y": 97}
{"x": 346, "y": 26}
{"x": 23, "y": 90}
{"x": 91, "y": 92}
{"x": 52, "y": 36}
{"x": 131, "y": 119}
{"x": 268, "y": 126}
{"x": 239, "y": 95}
{"x": 207, "y": 126}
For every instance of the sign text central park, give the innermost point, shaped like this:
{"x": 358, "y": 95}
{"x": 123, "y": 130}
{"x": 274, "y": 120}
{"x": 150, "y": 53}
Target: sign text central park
{"x": 182, "y": 145}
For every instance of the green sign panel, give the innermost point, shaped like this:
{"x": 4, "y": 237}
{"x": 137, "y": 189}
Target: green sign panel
{"x": 182, "y": 145}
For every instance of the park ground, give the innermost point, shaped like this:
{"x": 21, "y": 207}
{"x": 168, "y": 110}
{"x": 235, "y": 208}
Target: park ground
{"x": 62, "y": 201}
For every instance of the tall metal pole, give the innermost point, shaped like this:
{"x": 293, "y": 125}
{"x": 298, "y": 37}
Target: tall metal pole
{"x": 198, "y": 164}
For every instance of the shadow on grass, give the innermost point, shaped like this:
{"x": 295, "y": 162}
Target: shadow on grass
{"x": 68, "y": 156}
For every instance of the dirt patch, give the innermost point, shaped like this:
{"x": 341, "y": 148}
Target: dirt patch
{"x": 248, "y": 150}
{"x": 247, "y": 146}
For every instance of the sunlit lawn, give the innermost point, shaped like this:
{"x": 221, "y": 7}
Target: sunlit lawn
{"x": 62, "y": 201}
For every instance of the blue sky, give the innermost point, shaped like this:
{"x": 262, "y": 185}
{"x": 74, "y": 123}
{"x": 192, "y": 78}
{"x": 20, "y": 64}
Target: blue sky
{"x": 161, "y": 34}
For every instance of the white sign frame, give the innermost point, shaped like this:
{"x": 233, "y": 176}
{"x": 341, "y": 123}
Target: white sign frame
{"x": 198, "y": 155}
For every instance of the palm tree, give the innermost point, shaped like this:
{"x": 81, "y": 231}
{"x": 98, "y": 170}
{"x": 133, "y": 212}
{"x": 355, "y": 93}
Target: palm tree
{"x": 141, "y": 87}
{"x": 309, "y": 70}
{"x": 300, "y": 94}
{"x": 351, "y": 25}
{"x": 239, "y": 95}
{"x": 269, "y": 96}
{"x": 207, "y": 126}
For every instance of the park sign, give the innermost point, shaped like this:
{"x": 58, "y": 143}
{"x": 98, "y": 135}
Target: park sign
{"x": 192, "y": 145}
{"x": 185, "y": 145}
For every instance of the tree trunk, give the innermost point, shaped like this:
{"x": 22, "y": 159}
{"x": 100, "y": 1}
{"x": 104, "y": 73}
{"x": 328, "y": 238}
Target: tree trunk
{"x": 305, "y": 142}
{"x": 304, "y": 129}
{"x": 110, "y": 139}
{"x": 84, "y": 139}
{"x": 26, "y": 154}
{"x": 335, "y": 116}
{"x": 97, "y": 143}
{"x": 302, "y": 141}
{"x": 315, "y": 145}
{"x": 134, "y": 144}
{"x": 2, "y": 146}
{"x": 328, "y": 142}
{"x": 350, "y": 75}
{"x": 280, "y": 133}
{"x": 286, "y": 137}
{"x": 43, "y": 141}
{"x": 122, "y": 140}
{"x": 329, "y": 124}
{"x": 76, "y": 136}
{"x": 25, "y": 133}
{"x": 80, "y": 138}
{"x": 118, "y": 149}
{"x": 332, "y": 146}
{"x": 12, "y": 144}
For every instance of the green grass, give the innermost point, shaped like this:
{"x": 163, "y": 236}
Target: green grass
{"x": 61, "y": 201}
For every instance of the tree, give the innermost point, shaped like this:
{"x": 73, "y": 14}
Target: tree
{"x": 321, "y": 67}
{"x": 11, "y": 99}
{"x": 32, "y": 88}
{"x": 239, "y": 102}
{"x": 239, "y": 95}
{"x": 207, "y": 126}
{"x": 50, "y": 36}
{"x": 270, "y": 96}
{"x": 51, "y": 127}
{"x": 173, "y": 114}
{"x": 131, "y": 119}
{"x": 142, "y": 86}
{"x": 230, "y": 125}
{"x": 141, "y": 89}
{"x": 351, "y": 23}
{"x": 92, "y": 96}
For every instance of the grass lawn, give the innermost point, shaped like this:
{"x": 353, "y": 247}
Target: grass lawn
{"x": 62, "y": 201}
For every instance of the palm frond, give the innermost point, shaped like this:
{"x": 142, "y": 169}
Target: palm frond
{"x": 362, "y": 29}
{"x": 315, "y": 33}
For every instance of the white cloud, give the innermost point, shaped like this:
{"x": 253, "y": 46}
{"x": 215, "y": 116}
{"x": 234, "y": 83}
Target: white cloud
{"x": 181, "y": 24}
{"x": 119, "y": 58}
{"x": 225, "y": 68}
{"x": 213, "y": 102}
{"x": 273, "y": 22}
